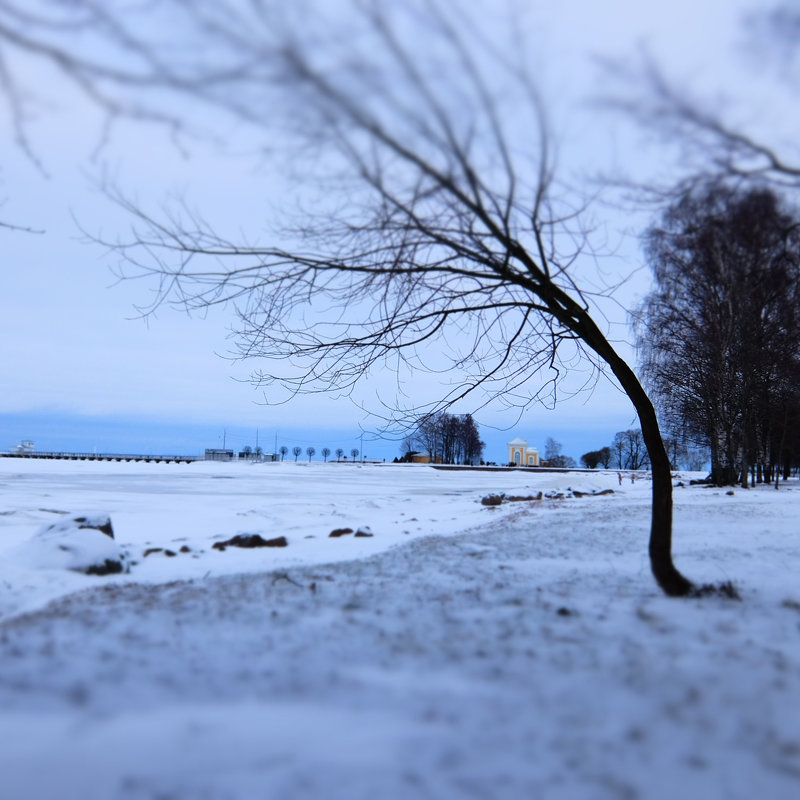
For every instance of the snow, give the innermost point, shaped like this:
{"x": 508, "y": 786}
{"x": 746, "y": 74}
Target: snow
{"x": 462, "y": 651}
{"x": 75, "y": 542}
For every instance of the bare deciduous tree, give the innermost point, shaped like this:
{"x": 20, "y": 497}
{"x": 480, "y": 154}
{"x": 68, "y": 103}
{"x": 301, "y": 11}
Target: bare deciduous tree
{"x": 711, "y": 137}
{"x": 437, "y": 236}
{"x": 447, "y": 439}
{"x": 596, "y": 458}
{"x": 553, "y": 457}
{"x": 630, "y": 450}
{"x": 719, "y": 334}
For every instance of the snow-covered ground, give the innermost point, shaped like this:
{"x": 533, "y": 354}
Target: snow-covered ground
{"x": 461, "y": 651}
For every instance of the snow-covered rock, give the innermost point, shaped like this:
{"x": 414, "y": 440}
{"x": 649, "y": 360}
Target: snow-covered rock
{"x": 80, "y": 542}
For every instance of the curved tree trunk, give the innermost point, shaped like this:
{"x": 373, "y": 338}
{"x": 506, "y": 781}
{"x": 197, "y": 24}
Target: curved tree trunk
{"x": 666, "y": 574}
{"x": 671, "y": 581}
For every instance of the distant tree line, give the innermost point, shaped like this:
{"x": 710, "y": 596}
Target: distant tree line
{"x": 627, "y": 451}
{"x": 597, "y": 458}
{"x": 719, "y": 337}
{"x": 446, "y": 439}
{"x": 312, "y": 451}
{"x": 553, "y": 457}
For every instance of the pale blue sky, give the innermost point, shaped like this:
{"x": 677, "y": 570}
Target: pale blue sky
{"x": 73, "y": 353}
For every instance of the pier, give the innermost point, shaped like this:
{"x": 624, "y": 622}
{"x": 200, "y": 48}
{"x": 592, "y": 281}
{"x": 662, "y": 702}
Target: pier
{"x": 106, "y": 457}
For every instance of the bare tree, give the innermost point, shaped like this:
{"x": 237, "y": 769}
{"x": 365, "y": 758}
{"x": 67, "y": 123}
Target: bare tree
{"x": 441, "y": 232}
{"x": 310, "y": 452}
{"x": 719, "y": 334}
{"x": 628, "y": 447}
{"x": 710, "y": 143}
{"x": 553, "y": 457}
{"x": 339, "y": 453}
{"x": 552, "y": 448}
{"x": 591, "y": 459}
{"x": 596, "y": 458}
{"x": 296, "y": 450}
{"x": 354, "y": 453}
{"x": 446, "y": 438}
{"x": 283, "y": 451}
{"x": 326, "y": 451}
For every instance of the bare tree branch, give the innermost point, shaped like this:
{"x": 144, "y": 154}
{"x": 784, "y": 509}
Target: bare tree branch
{"x": 447, "y": 247}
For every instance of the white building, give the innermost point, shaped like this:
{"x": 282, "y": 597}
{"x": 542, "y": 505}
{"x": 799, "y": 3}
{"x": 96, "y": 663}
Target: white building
{"x": 519, "y": 453}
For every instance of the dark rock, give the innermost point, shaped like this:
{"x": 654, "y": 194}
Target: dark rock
{"x": 151, "y": 550}
{"x": 364, "y": 533}
{"x": 523, "y": 498}
{"x": 492, "y": 500}
{"x": 335, "y": 534}
{"x": 82, "y": 542}
{"x": 250, "y": 540}
{"x": 108, "y": 567}
{"x": 101, "y": 523}
{"x": 186, "y": 549}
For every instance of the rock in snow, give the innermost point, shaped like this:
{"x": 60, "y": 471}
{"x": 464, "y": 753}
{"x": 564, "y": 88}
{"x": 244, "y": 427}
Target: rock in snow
{"x": 250, "y": 540}
{"x": 82, "y": 542}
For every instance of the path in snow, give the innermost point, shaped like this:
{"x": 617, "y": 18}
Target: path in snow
{"x": 530, "y": 657}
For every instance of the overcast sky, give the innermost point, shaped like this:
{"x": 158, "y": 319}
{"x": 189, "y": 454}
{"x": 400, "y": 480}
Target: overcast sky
{"x": 73, "y": 347}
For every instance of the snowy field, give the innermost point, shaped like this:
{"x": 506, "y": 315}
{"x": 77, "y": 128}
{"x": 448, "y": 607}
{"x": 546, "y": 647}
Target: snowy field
{"x": 461, "y": 651}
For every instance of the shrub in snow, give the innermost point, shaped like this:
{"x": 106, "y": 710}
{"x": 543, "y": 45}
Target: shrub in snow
{"x": 84, "y": 543}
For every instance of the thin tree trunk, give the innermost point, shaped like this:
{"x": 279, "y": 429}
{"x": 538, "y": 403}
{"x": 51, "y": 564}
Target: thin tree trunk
{"x": 745, "y": 464}
{"x": 671, "y": 581}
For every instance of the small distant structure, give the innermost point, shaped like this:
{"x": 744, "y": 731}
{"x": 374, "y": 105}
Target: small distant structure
{"x": 24, "y": 447}
{"x": 415, "y": 457}
{"x": 256, "y": 455}
{"x": 216, "y": 454}
{"x": 520, "y": 454}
